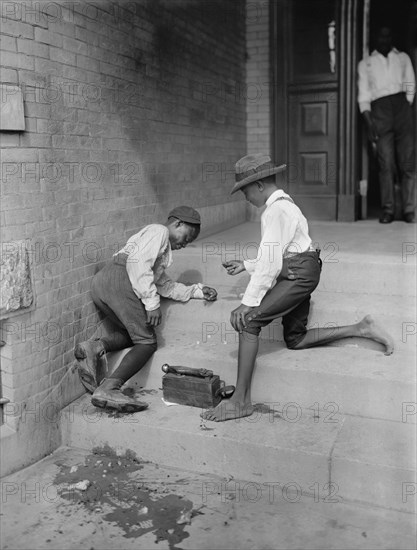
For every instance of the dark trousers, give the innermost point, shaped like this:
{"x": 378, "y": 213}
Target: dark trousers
{"x": 113, "y": 294}
{"x": 393, "y": 119}
{"x": 289, "y": 298}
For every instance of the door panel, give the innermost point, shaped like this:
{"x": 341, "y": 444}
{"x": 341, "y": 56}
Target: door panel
{"x": 312, "y": 143}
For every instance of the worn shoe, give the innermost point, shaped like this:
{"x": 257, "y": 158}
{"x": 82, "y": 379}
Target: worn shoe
{"x": 386, "y": 218}
{"x": 108, "y": 395}
{"x": 409, "y": 217}
{"x": 88, "y": 355}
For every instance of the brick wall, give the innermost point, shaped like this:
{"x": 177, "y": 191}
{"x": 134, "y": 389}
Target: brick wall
{"x": 258, "y": 84}
{"x": 258, "y": 107}
{"x": 131, "y": 108}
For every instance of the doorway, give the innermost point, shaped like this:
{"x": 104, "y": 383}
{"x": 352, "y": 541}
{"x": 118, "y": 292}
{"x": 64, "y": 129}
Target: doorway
{"x": 401, "y": 17}
{"x": 314, "y": 51}
{"x": 316, "y": 46}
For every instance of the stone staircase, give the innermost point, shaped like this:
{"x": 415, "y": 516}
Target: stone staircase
{"x": 336, "y": 421}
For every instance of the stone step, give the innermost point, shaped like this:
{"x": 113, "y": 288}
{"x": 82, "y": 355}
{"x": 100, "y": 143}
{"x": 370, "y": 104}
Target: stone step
{"x": 339, "y": 418}
{"x": 202, "y": 320}
{"x": 359, "y": 459}
{"x": 377, "y": 460}
{"x": 336, "y": 380}
{"x": 353, "y": 374}
{"x": 352, "y": 276}
{"x": 356, "y": 258}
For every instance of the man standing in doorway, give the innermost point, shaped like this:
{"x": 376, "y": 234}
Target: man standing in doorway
{"x": 386, "y": 89}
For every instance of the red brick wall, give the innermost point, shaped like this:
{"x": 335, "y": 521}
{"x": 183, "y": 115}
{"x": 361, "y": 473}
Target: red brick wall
{"x": 131, "y": 108}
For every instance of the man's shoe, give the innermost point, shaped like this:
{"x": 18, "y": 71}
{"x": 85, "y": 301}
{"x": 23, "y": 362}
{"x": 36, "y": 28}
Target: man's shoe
{"x": 409, "y": 217}
{"x": 386, "y": 218}
{"x": 88, "y": 355}
{"x": 108, "y": 395}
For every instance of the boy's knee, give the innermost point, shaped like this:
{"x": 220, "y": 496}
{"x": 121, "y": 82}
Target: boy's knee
{"x": 153, "y": 347}
{"x": 291, "y": 344}
{"x": 294, "y": 342}
{"x": 149, "y": 348}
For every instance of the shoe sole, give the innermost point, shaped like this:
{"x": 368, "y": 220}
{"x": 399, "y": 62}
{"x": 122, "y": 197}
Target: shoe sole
{"x": 87, "y": 380}
{"x": 84, "y": 371}
{"x": 79, "y": 353}
{"x": 128, "y": 408}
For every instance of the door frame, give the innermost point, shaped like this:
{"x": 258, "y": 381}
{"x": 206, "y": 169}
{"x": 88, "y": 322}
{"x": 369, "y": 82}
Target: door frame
{"x": 348, "y": 57}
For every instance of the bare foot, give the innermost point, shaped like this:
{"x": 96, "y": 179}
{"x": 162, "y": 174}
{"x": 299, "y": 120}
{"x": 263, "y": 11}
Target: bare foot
{"x": 228, "y": 410}
{"x": 370, "y": 329}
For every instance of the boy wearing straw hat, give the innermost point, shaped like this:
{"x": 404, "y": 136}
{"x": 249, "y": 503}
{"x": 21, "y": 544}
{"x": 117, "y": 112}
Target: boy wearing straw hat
{"x": 284, "y": 274}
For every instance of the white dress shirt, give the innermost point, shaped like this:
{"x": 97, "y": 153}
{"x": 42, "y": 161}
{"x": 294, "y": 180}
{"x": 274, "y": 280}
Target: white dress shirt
{"x": 284, "y": 232}
{"x": 149, "y": 254}
{"x": 380, "y": 76}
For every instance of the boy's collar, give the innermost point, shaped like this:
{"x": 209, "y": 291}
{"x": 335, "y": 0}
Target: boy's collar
{"x": 275, "y": 196}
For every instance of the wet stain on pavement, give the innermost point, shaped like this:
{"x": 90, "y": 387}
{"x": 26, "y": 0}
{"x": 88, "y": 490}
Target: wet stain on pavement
{"x": 112, "y": 488}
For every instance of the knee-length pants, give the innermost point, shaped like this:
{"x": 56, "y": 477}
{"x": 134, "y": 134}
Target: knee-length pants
{"x": 289, "y": 298}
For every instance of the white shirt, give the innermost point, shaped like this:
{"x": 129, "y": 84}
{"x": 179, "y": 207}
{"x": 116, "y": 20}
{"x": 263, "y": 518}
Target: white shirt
{"x": 149, "y": 254}
{"x": 284, "y": 231}
{"x": 380, "y": 76}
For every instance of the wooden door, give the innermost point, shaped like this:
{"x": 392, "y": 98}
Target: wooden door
{"x": 307, "y": 33}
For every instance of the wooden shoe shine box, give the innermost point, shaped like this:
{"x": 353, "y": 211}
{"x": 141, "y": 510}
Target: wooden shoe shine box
{"x": 191, "y": 390}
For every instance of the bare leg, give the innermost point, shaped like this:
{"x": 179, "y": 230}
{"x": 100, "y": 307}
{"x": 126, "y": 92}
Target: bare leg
{"x": 367, "y": 328}
{"x": 239, "y": 404}
{"x": 133, "y": 361}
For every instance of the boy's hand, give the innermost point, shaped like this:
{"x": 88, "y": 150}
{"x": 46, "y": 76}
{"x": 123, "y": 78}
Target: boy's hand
{"x": 237, "y": 317}
{"x": 153, "y": 318}
{"x": 234, "y": 267}
{"x": 210, "y": 294}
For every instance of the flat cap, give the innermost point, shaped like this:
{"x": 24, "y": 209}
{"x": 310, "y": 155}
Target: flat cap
{"x": 186, "y": 214}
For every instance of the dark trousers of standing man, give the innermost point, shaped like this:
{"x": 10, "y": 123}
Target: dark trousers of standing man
{"x": 393, "y": 119}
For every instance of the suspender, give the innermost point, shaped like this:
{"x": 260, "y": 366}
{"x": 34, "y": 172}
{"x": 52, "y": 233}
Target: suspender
{"x": 285, "y": 199}
{"x": 311, "y": 249}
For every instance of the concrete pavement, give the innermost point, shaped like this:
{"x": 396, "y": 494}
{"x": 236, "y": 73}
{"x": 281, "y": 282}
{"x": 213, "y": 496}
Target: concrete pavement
{"x": 130, "y": 504}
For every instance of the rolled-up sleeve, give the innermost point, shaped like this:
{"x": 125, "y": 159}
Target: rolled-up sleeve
{"x": 177, "y": 291}
{"x": 142, "y": 255}
{"x": 409, "y": 82}
{"x": 279, "y": 232}
{"x": 250, "y": 266}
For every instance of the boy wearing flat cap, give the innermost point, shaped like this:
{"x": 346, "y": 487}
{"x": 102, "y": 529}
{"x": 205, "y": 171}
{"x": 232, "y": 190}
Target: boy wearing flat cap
{"x": 283, "y": 276}
{"x": 127, "y": 290}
